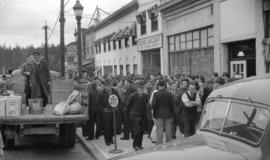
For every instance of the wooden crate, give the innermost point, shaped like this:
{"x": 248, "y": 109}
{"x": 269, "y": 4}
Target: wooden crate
{"x": 61, "y": 89}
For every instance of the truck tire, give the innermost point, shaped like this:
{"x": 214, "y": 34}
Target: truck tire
{"x": 8, "y": 143}
{"x": 67, "y": 135}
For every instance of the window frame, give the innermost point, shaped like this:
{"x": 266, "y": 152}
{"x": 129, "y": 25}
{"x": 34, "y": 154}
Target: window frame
{"x": 126, "y": 42}
{"x": 154, "y": 24}
{"x": 109, "y": 45}
{"x": 120, "y": 43}
{"x": 114, "y": 45}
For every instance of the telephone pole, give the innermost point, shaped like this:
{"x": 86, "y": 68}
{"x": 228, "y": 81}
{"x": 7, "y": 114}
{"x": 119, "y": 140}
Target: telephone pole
{"x": 62, "y": 38}
{"x": 46, "y": 27}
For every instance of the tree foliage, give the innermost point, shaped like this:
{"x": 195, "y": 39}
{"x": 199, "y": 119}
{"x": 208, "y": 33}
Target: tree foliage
{"x": 13, "y": 58}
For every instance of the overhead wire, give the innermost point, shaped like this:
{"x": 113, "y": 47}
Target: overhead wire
{"x": 57, "y": 19}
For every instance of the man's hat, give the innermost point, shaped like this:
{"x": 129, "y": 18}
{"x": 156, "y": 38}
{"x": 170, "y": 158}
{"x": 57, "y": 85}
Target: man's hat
{"x": 162, "y": 83}
{"x": 219, "y": 80}
{"x": 36, "y": 53}
{"x": 139, "y": 83}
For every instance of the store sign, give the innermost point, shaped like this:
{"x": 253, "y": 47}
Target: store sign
{"x": 150, "y": 43}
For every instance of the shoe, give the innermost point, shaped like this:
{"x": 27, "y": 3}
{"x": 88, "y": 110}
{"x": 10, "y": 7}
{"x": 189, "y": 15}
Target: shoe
{"x": 173, "y": 137}
{"x": 89, "y": 138}
{"x": 136, "y": 148}
{"x": 154, "y": 142}
{"x": 112, "y": 142}
{"x": 108, "y": 144}
{"x": 123, "y": 138}
{"x": 140, "y": 147}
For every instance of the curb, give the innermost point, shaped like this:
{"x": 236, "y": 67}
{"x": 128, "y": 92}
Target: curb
{"x": 91, "y": 149}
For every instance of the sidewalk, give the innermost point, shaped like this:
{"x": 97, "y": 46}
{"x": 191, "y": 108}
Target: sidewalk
{"x": 100, "y": 150}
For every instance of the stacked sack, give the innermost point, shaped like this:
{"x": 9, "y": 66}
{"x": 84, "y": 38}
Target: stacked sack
{"x": 71, "y": 106}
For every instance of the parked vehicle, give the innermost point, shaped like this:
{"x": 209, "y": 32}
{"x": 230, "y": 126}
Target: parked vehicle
{"x": 47, "y": 123}
{"x": 234, "y": 125}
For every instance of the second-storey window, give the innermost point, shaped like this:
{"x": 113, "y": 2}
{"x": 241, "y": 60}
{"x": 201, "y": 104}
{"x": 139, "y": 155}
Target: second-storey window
{"x": 104, "y": 47}
{"x": 126, "y": 41}
{"x": 114, "y": 45}
{"x": 120, "y": 43}
{"x": 109, "y": 45}
{"x": 134, "y": 40}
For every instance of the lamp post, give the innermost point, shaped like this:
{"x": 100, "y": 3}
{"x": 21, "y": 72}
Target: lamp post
{"x": 78, "y": 11}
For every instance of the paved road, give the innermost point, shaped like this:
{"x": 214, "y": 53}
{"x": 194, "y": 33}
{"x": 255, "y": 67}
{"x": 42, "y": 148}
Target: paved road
{"x": 40, "y": 148}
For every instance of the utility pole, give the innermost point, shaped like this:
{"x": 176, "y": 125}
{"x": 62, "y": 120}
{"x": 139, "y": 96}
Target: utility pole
{"x": 62, "y": 38}
{"x": 46, "y": 27}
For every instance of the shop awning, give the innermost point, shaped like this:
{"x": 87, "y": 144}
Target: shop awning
{"x": 117, "y": 35}
{"x": 130, "y": 31}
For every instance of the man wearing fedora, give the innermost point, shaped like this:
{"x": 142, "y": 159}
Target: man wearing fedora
{"x": 128, "y": 90}
{"x": 136, "y": 109}
{"x": 106, "y": 110}
{"x": 163, "y": 106}
{"x": 39, "y": 78}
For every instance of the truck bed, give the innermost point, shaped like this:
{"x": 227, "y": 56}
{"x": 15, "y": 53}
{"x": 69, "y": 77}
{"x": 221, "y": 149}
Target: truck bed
{"x": 47, "y": 117}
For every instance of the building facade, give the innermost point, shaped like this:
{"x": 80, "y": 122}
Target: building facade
{"x": 71, "y": 64}
{"x": 206, "y": 36}
{"x": 89, "y": 60}
{"x": 149, "y": 42}
{"x": 115, "y": 44}
{"x": 188, "y": 28}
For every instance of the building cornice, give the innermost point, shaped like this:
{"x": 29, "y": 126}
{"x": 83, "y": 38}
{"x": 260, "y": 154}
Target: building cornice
{"x": 130, "y": 7}
{"x": 171, "y": 6}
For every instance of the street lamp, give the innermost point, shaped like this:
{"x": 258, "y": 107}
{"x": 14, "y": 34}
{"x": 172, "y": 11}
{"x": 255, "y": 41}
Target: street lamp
{"x": 78, "y": 11}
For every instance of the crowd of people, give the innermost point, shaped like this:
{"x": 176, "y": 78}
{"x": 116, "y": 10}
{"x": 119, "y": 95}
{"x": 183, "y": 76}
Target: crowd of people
{"x": 148, "y": 105}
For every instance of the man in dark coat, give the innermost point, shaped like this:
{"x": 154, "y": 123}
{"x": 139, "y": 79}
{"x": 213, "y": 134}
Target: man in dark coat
{"x": 129, "y": 89}
{"x": 102, "y": 103}
{"x": 136, "y": 109}
{"x": 25, "y": 70}
{"x": 163, "y": 112}
{"x": 39, "y": 79}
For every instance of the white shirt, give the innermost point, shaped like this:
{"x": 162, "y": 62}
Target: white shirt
{"x": 189, "y": 103}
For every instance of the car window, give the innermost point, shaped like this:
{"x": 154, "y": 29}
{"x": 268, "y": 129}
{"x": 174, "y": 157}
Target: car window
{"x": 246, "y": 122}
{"x": 214, "y": 115}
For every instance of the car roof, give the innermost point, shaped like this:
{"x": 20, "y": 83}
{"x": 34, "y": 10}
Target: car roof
{"x": 256, "y": 88}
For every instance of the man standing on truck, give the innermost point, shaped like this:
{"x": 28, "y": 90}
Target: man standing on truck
{"x": 39, "y": 78}
{"x": 25, "y": 70}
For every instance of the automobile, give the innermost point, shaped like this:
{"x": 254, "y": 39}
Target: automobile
{"x": 234, "y": 125}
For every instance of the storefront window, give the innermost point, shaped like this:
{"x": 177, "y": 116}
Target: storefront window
{"x": 189, "y": 40}
{"x": 172, "y": 43}
{"x": 121, "y": 70}
{"x": 183, "y": 41}
{"x": 177, "y": 43}
{"x": 115, "y": 70}
{"x": 128, "y": 69}
{"x": 135, "y": 69}
{"x": 196, "y": 39}
{"x": 210, "y": 36}
{"x": 204, "y": 38}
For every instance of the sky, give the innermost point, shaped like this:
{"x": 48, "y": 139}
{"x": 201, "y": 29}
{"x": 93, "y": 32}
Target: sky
{"x": 21, "y": 21}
